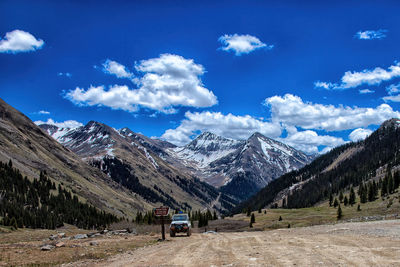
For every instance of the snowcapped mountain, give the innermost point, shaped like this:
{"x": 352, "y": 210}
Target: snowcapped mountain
{"x": 138, "y": 163}
{"x": 206, "y": 148}
{"x": 240, "y": 168}
{"x": 259, "y": 161}
{"x": 93, "y": 139}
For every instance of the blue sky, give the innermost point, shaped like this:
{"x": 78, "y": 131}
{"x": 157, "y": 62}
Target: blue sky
{"x": 313, "y": 75}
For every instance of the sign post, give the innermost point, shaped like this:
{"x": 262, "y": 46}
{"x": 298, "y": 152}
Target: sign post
{"x": 162, "y": 212}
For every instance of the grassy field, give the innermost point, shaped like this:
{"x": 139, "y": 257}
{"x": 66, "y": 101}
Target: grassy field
{"x": 323, "y": 214}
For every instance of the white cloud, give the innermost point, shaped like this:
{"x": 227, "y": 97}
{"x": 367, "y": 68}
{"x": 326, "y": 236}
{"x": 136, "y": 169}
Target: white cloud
{"x": 366, "y": 91}
{"x": 308, "y": 141}
{"x": 242, "y": 44}
{"x": 19, "y": 41}
{"x": 393, "y": 89}
{"x": 326, "y": 85}
{"x": 369, "y": 35}
{"x": 167, "y": 81}
{"x": 230, "y": 126}
{"x": 392, "y": 98}
{"x": 291, "y": 110}
{"x": 242, "y": 127}
{"x": 359, "y": 134}
{"x": 371, "y": 77}
{"x": 44, "y": 112}
{"x": 119, "y": 70}
{"x": 66, "y": 124}
{"x": 66, "y": 74}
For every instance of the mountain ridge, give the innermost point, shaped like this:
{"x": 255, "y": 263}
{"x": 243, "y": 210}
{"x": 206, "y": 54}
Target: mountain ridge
{"x": 344, "y": 166}
{"x": 136, "y": 162}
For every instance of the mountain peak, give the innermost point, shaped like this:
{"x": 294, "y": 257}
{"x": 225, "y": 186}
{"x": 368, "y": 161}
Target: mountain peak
{"x": 93, "y": 123}
{"x": 207, "y": 135}
{"x": 208, "y": 140}
{"x": 126, "y": 131}
{"x": 257, "y": 135}
{"x": 391, "y": 122}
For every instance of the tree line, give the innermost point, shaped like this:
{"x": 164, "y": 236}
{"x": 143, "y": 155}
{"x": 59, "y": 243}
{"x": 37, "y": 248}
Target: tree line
{"x": 39, "y": 203}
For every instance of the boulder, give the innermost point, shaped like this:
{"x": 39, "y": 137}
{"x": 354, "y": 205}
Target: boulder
{"x": 46, "y": 247}
{"x": 60, "y": 244}
{"x": 80, "y": 236}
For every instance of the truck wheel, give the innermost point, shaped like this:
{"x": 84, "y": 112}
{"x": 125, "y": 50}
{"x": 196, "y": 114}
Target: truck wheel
{"x": 189, "y": 232}
{"x": 171, "y": 233}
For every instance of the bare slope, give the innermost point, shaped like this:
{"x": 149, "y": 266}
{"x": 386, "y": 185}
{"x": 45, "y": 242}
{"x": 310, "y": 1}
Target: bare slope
{"x": 135, "y": 162}
{"x": 32, "y": 150}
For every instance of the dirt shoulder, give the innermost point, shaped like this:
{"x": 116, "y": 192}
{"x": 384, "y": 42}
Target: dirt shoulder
{"x": 24, "y": 246}
{"x": 347, "y": 244}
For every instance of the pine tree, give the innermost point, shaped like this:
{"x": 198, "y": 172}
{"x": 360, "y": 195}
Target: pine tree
{"x": 280, "y": 218}
{"x": 13, "y": 222}
{"x": 360, "y": 189}
{"x": 253, "y": 218}
{"x": 352, "y": 197}
{"x": 390, "y": 183}
{"x": 335, "y": 203}
{"x": 363, "y": 195}
{"x": 358, "y": 207}
{"x": 248, "y": 212}
{"x": 330, "y": 200}
{"x": 371, "y": 192}
{"x": 341, "y": 196}
{"x": 339, "y": 213}
{"x": 396, "y": 180}
{"x": 259, "y": 210}
{"x": 200, "y": 224}
{"x": 384, "y": 186}
{"x": 345, "y": 201}
{"x": 215, "y": 215}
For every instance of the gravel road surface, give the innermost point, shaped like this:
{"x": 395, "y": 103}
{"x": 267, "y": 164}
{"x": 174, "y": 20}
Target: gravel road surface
{"x": 346, "y": 244}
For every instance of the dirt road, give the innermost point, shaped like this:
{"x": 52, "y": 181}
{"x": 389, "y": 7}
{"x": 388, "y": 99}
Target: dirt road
{"x": 348, "y": 244}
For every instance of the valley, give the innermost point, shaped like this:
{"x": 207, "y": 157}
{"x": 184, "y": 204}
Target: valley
{"x": 199, "y": 133}
{"x": 125, "y": 175}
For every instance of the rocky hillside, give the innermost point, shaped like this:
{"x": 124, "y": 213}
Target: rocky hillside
{"x": 345, "y": 166}
{"x": 239, "y": 168}
{"x": 136, "y": 162}
{"x": 32, "y": 150}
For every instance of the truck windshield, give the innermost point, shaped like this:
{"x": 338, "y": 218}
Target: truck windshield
{"x": 179, "y": 218}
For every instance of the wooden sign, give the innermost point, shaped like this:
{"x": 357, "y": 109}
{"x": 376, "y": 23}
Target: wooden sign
{"x": 162, "y": 211}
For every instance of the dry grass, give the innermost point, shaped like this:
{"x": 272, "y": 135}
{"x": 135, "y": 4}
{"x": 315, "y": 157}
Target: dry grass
{"x": 22, "y": 247}
{"x": 323, "y": 214}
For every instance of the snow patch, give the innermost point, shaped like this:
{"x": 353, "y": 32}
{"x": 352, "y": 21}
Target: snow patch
{"x": 147, "y": 154}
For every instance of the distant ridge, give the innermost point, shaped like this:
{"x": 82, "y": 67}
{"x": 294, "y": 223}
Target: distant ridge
{"x": 342, "y": 167}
